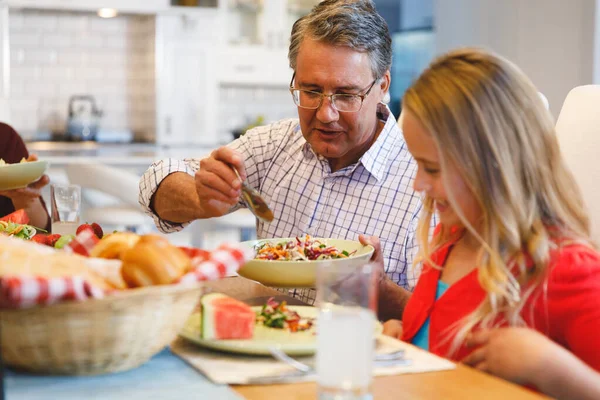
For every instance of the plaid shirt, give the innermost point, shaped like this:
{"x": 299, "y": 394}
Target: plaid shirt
{"x": 372, "y": 197}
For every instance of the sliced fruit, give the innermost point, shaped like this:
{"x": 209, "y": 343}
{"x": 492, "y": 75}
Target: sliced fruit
{"x": 226, "y": 318}
{"x": 97, "y": 230}
{"x": 63, "y": 241}
{"x": 83, "y": 227}
{"x": 40, "y": 238}
{"x": 52, "y": 239}
{"x": 18, "y": 217}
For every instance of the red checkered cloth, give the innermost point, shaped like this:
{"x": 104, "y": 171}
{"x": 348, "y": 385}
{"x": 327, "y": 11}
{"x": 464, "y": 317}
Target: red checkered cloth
{"x": 224, "y": 261}
{"x": 24, "y": 292}
{"x": 83, "y": 243}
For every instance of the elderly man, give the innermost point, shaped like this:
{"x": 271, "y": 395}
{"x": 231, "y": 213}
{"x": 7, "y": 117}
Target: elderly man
{"x": 340, "y": 170}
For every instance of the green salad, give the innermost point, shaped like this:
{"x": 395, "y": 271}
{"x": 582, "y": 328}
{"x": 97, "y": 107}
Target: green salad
{"x": 17, "y": 230}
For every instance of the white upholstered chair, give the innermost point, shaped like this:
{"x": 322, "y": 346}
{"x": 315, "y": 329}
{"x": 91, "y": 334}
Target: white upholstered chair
{"x": 578, "y": 130}
{"x": 123, "y": 212}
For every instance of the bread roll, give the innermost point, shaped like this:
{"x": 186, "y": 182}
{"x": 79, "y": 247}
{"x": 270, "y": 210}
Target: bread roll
{"x": 113, "y": 246}
{"x": 110, "y": 270}
{"x": 153, "y": 261}
{"x": 22, "y": 258}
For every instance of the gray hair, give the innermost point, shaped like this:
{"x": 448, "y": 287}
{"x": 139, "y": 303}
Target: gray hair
{"x": 355, "y": 24}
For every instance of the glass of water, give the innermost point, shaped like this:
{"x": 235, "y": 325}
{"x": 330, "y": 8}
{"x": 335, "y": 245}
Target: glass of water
{"x": 347, "y": 299}
{"x": 65, "y": 203}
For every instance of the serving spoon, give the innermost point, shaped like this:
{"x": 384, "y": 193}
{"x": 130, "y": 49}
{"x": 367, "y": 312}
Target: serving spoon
{"x": 256, "y": 204}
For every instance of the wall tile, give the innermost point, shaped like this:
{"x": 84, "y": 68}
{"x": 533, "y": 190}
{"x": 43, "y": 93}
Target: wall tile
{"x": 56, "y": 73}
{"x": 73, "y": 22}
{"x": 88, "y": 40}
{"x": 24, "y": 39}
{"x": 57, "y": 40}
{"x": 57, "y": 54}
{"x": 40, "y": 88}
{"x": 116, "y": 25}
{"x": 72, "y": 58}
{"x": 89, "y": 73}
{"x": 41, "y": 21}
{"x": 20, "y": 73}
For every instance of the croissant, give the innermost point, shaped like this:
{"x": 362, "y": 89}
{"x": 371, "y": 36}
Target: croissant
{"x": 153, "y": 261}
{"x": 114, "y": 245}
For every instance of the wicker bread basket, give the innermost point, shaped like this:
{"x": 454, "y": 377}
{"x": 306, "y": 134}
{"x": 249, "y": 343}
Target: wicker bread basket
{"x": 116, "y": 333}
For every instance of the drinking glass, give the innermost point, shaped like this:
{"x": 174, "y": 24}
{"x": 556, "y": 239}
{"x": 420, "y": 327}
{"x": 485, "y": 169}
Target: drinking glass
{"x": 65, "y": 203}
{"x": 347, "y": 299}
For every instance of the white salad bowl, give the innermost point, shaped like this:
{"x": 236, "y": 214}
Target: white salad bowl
{"x": 299, "y": 274}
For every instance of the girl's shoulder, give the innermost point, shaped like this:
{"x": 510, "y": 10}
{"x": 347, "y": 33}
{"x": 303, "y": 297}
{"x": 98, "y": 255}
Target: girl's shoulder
{"x": 574, "y": 260}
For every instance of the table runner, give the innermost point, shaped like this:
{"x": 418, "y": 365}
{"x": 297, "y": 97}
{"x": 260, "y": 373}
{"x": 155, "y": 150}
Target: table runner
{"x": 165, "y": 376}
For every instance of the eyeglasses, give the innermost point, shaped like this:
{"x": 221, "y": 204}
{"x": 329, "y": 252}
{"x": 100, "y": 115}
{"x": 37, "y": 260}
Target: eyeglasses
{"x": 341, "y": 102}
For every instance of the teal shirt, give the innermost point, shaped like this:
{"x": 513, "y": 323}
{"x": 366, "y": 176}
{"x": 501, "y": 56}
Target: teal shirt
{"x": 421, "y": 339}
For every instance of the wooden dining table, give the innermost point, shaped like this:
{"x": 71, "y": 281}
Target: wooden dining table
{"x": 460, "y": 384}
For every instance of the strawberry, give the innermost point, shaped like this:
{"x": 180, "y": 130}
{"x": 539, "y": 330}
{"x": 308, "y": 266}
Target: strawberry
{"x": 51, "y": 239}
{"x": 40, "y": 238}
{"x": 83, "y": 227}
{"x": 97, "y": 230}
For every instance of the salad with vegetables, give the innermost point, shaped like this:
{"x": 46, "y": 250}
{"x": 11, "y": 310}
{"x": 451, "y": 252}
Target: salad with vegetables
{"x": 276, "y": 314}
{"x": 307, "y": 249}
{"x": 22, "y": 231}
{"x": 3, "y": 163}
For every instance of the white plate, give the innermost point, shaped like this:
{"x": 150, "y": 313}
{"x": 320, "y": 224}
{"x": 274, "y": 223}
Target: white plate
{"x": 298, "y": 274}
{"x": 19, "y": 175}
{"x": 292, "y": 343}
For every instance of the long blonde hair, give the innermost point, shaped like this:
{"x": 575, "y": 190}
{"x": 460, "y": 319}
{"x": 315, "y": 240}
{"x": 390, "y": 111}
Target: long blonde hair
{"x": 491, "y": 126}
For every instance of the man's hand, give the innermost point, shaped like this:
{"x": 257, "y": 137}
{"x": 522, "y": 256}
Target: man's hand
{"x": 393, "y": 328}
{"x": 218, "y": 187}
{"x": 377, "y": 257}
{"x": 23, "y": 196}
{"x": 392, "y": 298}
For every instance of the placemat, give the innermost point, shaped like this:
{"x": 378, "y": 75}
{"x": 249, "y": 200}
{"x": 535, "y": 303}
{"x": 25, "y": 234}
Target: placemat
{"x": 240, "y": 369}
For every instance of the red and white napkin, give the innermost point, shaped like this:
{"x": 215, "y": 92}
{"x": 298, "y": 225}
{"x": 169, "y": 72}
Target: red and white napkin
{"x": 25, "y": 291}
{"x": 219, "y": 263}
{"x": 83, "y": 243}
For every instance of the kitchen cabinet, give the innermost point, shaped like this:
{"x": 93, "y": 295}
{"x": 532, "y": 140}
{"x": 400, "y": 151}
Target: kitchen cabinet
{"x": 254, "y": 65}
{"x": 187, "y": 95}
{"x": 4, "y": 65}
{"x": 4, "y": 52}
{"x": 130, "y": 6}
{"x": 257, "y": 33}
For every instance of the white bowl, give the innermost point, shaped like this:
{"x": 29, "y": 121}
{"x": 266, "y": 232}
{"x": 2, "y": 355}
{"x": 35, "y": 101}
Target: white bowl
{"x": 19, "y": 175}
{"x": 296, "y": 274}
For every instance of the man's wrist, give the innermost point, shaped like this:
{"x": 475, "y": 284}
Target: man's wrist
{"x": 392, "y": 300}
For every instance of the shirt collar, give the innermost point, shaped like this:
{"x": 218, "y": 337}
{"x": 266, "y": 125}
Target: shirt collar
{"x": 375, "y": 160}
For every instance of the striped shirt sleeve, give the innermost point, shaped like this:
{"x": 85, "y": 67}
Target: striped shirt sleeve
{"x": 151, "y": 180}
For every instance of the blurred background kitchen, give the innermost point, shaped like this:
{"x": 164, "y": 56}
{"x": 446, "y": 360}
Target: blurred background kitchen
{"x": 124, "y": 83}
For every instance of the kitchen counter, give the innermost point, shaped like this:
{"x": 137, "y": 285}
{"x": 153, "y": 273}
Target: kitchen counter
{"x": 118, "y": 154}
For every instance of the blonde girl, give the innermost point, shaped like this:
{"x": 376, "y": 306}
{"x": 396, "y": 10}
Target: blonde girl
{"x": 513, "y": 247}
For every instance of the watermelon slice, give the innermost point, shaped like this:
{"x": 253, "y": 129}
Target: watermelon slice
{"x": 18, "y": 217}
{"x": 226, "y": 318}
